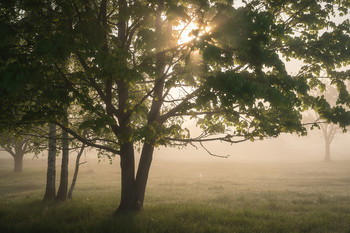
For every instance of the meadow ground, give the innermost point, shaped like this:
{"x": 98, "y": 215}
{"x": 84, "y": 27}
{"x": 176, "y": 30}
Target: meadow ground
{"x": 188, "y": 196}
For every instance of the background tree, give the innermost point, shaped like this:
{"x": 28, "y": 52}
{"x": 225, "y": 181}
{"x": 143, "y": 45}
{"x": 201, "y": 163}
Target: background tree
{"x": 127, "y": 67}
{"x": 76, "y": 171}
{"x": 67, "y": 144}
{"x": 63, "y": 188}
{"x": 50, "y": 190}
{"x": 16, "y": 146}
{"x": 329, "y": 130}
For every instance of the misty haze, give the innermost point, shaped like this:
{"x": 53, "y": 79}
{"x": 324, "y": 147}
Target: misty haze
{"x": 174, "y": 116}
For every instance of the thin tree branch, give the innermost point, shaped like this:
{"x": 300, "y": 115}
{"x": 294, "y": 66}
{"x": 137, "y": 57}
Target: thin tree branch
{"x": 220, "y": 156}
{"x": 223, "y": 139}
{"x": 82, "y": 163}
{"x": 86, "y": 141}
{"x": 174, "y": 110}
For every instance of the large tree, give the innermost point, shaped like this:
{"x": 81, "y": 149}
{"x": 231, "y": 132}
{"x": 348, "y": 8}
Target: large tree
{"x": 139, "y": 69}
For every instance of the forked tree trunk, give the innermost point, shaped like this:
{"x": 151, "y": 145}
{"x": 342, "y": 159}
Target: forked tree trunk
{"x": 18, "y": 160}
{"x": 63, "y": 188}
{"x": 76, "y": 171}
{"x": 127, "y": 165}
{"x": 51, "y": 165}
{"x": 133, "y": 190}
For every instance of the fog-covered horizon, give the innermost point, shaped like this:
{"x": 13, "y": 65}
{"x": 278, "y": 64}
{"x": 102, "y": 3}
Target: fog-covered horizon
{"x": 285, "y": 148}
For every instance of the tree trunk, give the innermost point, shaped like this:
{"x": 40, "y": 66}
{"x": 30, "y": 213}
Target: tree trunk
{"x": 63, "y": 188}
{"x": 327, "y": 157}
{"x": 127, "y": 164}
{"x": 18, "y": 159}
{"x": 76, "y": 170}
{"x": 51, "y": 165}
{"x": 142, "y": 174}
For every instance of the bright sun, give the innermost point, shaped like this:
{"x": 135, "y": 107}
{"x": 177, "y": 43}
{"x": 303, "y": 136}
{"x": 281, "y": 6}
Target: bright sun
{"x": 190, "y": 31}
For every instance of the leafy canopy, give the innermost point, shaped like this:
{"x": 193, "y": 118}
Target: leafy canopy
{"x": 123, "y": 72}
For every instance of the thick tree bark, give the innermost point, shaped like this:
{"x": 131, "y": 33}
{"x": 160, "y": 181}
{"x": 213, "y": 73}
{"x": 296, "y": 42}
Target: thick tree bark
{"x": 127, "y": 164}
{"x": 127, "y": 157}
{"x": 142, "y": 174}
{"x": 51, "y": 165}
{"x": 76, "y": 171}
{"x": 63, "y": 188}
{"x": 133, "y": 190}
{"x": 18, "y": 160}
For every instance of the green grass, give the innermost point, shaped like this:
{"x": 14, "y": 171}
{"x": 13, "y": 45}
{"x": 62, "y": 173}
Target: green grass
{"x": 223, "y": 196}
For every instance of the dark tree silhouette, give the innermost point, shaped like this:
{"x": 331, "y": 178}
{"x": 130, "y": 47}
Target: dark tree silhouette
{"x": 51, "y": 165}
{"x": 76, "y": 171}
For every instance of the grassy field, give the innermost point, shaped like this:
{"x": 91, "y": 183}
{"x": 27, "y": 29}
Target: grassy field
{"x": 221, "y": 196}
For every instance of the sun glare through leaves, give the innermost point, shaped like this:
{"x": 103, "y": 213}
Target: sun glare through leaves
{"x": 190, "y": 31}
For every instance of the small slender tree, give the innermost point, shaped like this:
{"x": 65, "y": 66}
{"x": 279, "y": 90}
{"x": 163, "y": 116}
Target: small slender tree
{"x": 51, "y": 165}
{"x": 76, "y": 171}
{"x": 62, "y": 192}
{"x": 63, "y": 187}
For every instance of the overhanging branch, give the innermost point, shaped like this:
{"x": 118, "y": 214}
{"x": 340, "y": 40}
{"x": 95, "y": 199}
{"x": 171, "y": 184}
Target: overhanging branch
{"x": 86, "y": 141}
{"x": 222, "y": 139}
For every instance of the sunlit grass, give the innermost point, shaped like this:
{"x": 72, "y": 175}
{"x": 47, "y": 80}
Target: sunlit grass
{"x": 187, "y": 197}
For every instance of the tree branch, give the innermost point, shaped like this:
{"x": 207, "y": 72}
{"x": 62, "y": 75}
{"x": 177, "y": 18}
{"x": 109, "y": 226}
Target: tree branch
{"x": 199, "y": 113}
{"x": 132, "y": 29}
{"x": 220, "y": 156}
{"x": 82, "y": 163}
{"x": 223, "y": 139}
{"x": 86, "y": 141}
{"x": 174, "y": 110}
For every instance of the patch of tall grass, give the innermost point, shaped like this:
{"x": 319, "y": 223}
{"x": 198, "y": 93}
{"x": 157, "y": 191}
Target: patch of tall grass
{"x": 249, "y": 198}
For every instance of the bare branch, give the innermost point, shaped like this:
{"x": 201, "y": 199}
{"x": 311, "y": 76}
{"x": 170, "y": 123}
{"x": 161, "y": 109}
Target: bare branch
{"x": 199, "y": 113}
{"x": 223, "y": 139}
{"x": 220, "y": 156}
{"x": 82, "y": 163}
{"x": 315, "y": 123}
